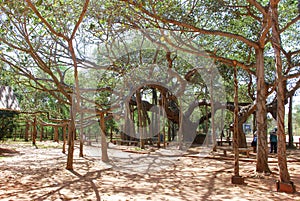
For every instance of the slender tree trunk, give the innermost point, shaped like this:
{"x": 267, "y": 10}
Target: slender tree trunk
{"x": 212, "y": 105}
{"x": 276, "y": 43}
{"x": 46, "y": 133}
{"x": 111, "y": 133}
{"x": 206, "y": 113}
{"x": 31, "y": 130}
{"x": 159, "y": 126}
{"x": 261, "y": 115}
{"x": 56, "y": 134}
{"x": 71, "y": 135}
{"x": 126, "y": 123}
{"x": 155, "y": 116}
{"x": 254, "y": 126}
{"x": 131, "y": 124}
{"x": 52, "y": 133}
{"x": 81, "y": 136}
{"x": 235, "y": 124}
{"x": 241, "y": 135}
{"x": 76, "y": 99}
{"x": 140, "y": 117}
{"x": 26, "y": 131}
{"x": 34, "y": 132}
{"x": 103, "y": 139}
{"x": 64, "y": 139}
{"x": 290, "y": 123}
{"x": 169, "y": 131}
{"x": 42, "y": 133}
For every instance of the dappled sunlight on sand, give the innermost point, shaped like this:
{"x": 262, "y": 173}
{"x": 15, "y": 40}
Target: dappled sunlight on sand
{"x": 40, "y": 174}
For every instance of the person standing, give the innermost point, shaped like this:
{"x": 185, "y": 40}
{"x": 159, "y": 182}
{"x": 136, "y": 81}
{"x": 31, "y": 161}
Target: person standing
{"x": 254, "y": 142}
{"x": 273, "y": 141}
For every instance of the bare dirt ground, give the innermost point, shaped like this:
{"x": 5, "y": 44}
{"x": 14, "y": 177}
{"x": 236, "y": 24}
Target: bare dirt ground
{"x": 28, "y": 173}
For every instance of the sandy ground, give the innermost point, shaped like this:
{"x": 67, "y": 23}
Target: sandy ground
{"x": 28, "y": 173}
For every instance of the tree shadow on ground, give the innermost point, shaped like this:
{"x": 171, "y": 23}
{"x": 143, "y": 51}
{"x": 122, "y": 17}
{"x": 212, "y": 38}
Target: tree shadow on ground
{"x": 8, "y": 152}
{"x": 87, "y": 179}
{"x": 40, "y": 174}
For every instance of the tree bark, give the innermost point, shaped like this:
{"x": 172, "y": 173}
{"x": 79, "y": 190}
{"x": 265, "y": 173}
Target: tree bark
{"x": 212, "y": 106}
{"x": 26, "y": 131}
{"x": 81, "y": 136}
{"x": 261, "y": 115}
{"x": 290, "y": 123}
{"x": 34, "y": 132}
{"x": 241, "y": 135}
{"x": 254, "y": 126}
{"x": 104, "y": 156}
{"x": 235, "y": 125}
{"x": 71, "y": 135}
{"x": 64, "y": 139}
{"x": 140, "y": 118}
{"x": 56, "y": 134}
{"x": 276, "y": 43}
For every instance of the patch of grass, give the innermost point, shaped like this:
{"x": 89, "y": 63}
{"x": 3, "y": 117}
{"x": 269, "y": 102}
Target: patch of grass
{"x": 17, "y": 141}
{"x": 138, "y": 149}
{"x": 39, "y": 145}
{"x": 49, "y": 146}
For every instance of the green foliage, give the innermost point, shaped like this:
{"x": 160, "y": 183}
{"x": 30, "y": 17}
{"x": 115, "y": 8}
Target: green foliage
{"x": 39, "y": 61}
{"x": 7, "y": 123}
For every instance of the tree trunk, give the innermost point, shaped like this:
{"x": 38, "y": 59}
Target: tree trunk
{"x": 64, "y": 139}
{"x": 103, "y": 139}
{"x": 261, "y": 115}
{"x": 81, "y": 136}
{"x": 276, "y": 43}
{"x": 52, "y": 132}
{"x": 154, "y": 117}
{"x": 140, "y": 118}
{"x": 290, "y": 123}
{"x": 31, "y": 131}
{"x": 212, "y": 106}
{"x": 56, "y": 134}
{"x": 206, "y": 113}
{"x": 42, "y": 133}
{"x": 71, "y": 135}
{"x": 241, "y": 135}
{"x": 235, "y": 124}
{"x": 254, "y": 126}
{"x": 131, "y": 124}
{"x": 169, "y": 131}
{"x": 26, "y": 131}
{"x": 46, "y": 133}
{"x": 111, "y": 133}
{"x": 34, "y": 132}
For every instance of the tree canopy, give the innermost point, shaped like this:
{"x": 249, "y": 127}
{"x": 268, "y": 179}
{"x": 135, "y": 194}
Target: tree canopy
{"x": 68, "y": 57}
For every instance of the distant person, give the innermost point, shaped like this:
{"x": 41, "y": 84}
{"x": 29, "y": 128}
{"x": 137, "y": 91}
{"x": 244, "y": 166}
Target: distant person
{"x": 273, "y": 141}
{"x": 254, "y": 142}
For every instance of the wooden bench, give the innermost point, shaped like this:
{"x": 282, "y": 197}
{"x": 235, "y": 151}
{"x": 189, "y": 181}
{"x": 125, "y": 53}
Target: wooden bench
{"x": 241, "y": 150}
{"x": 220, "y": 142}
